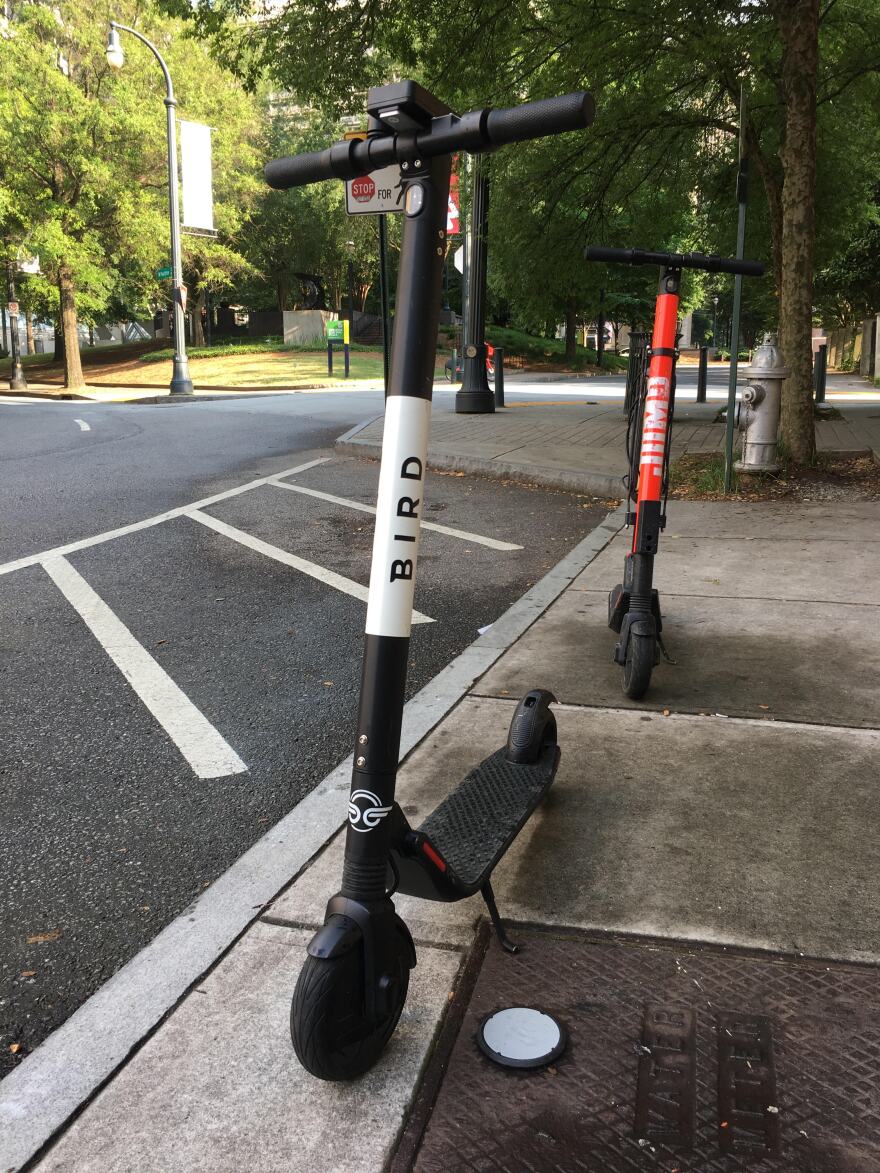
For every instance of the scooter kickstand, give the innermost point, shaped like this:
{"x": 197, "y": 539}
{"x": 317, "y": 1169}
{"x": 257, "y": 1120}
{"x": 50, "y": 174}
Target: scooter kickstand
{"x": 489, "y": 896}
{"x": 662, "y": 646}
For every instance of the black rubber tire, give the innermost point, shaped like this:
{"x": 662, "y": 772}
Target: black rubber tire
{"x": 639, "y": 665}
{"x": 330, "y": 1035}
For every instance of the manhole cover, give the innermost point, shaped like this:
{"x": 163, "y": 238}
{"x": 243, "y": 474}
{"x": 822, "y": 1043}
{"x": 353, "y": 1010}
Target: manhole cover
{"x": 680, "y": 1058}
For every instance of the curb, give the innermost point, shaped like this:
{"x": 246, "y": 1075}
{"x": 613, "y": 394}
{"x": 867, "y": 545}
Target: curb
{"x": 39, "y": 1098}
{"x": 168, "y": 400}
{"x": 580, "y": 481}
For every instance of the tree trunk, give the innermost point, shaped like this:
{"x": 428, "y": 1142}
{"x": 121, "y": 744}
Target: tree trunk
{"x": 797, "y": 22}
{"x": 570, "y": 331}
{"x": 198, "y": 330}
{"x": 29, "y": 333}
{"x": 73, "y": 376}
{"x": 58, "y": 348}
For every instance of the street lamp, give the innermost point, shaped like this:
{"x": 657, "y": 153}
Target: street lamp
{"x": 181, "y": 383}
{"x": 715, "y": 323}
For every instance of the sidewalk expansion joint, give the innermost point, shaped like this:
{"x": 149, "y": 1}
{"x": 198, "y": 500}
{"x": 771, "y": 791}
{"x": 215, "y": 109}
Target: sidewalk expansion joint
{"x": 669, "y": 593}
{"x": 869, "y": 732}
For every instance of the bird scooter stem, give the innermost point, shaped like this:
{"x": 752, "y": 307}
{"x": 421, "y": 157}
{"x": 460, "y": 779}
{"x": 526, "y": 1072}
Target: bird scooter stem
{"x": 398, "y": 525}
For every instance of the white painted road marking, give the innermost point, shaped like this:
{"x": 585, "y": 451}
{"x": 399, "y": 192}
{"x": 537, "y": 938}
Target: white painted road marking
{"x": 492, "y": 543}
{"x": 196, "y": 738}
{"x": 346, "y": 585}
{"x": 83, "y": 426}
{"x": 180, "y": 511}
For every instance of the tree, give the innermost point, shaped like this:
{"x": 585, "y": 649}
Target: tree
{"x": 306, "y": 230}
{"x": 667, "y": 100}
{"x": 89, "y": 156}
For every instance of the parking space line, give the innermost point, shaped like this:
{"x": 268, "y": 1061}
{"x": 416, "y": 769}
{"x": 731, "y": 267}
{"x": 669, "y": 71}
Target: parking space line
{"x": 321, "y": 573}
{"x": 463, "y": 534}
{"x": 206, "y": 751}
{"x": 180, "y": 511}
{"x": 83, "y": 426}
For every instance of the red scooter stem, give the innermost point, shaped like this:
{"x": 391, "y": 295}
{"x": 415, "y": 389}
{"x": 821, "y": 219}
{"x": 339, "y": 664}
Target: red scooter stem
{"x": 652, "y": 457}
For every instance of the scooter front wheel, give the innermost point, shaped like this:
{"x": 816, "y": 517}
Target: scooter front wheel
{"x": 638, "y": 665}
{"x": 331, "y": 1034}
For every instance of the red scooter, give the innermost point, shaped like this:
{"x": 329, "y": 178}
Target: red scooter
{"x": 634, "y": 604}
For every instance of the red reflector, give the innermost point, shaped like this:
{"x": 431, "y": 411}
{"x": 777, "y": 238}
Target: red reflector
{"x": 432, "y": 855}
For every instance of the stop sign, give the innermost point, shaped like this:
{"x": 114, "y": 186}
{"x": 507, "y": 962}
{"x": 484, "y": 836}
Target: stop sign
{"x": 363, "y": 189}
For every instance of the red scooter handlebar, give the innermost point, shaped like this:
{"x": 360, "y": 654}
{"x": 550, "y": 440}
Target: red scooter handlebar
{"x": 711, "y": 264}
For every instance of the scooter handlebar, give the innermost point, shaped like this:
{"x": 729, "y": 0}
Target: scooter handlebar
{"x": 478, "y": 130}
{"x": 538, "y": 119}
{"x": 711, "y": 264}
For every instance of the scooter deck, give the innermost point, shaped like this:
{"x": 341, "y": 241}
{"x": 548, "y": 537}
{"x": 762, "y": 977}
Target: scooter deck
{"x": 475, "y": 825}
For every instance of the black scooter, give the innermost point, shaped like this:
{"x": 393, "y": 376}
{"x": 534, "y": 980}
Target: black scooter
{"x": 353, "y": 985}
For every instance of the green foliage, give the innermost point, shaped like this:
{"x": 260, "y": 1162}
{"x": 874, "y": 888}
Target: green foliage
{"x": 88, "y": 191}
{"x": 518, "y": 343}
{"x": 250, "y": 346}
{"x": 701, "y": 475}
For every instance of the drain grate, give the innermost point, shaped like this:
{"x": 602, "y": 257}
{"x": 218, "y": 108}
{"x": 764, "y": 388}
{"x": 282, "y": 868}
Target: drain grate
{"x": 681, "y": 1059}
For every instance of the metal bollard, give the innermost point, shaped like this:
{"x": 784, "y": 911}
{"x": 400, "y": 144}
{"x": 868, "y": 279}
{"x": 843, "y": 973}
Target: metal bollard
{"x": 454, "y": 378}
{"x": 499, "y": 376}
{"x": 329, "y": 358}
{"x": 759, "y": 411}
{"x": 701, "y": 375}
{"x": 820, "y": 373}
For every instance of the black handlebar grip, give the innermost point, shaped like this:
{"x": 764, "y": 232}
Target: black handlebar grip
{"x": 612, "y": 256}
{"x": 723, "y": 265}
{"x": 537, "y": 119}
{"x": 297, "y": 170}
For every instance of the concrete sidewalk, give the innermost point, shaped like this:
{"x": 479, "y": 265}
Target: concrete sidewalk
{"x": 578, "y": 444}
{"x": 735, "y": 804}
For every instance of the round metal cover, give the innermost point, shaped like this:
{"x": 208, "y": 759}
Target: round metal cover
{"x": 520, "y": 1036}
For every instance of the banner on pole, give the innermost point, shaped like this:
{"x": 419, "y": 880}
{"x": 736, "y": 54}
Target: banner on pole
{"x": 196, "y": 176}
{"x": 453, "y": 213}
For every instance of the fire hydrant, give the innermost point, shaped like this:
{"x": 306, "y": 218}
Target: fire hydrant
{"x": 758, "y": 414}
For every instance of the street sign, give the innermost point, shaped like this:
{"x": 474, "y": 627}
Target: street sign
{"x": 337, "y": 331}
{"x": 164, "y": 273}
{"x": 375, "y": 194}
{"x": 458, "y": 258}
{"x": 13, "y": 307}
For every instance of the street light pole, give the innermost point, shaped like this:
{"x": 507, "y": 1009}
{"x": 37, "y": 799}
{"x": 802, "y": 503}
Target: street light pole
{"x": 181, "y": 383}
{"x": 17, "y": 381}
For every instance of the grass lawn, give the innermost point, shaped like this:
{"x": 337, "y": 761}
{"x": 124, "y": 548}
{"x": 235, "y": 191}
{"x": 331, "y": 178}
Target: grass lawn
{"x": 265, "y": 364}
{"x": 122, "y": 366}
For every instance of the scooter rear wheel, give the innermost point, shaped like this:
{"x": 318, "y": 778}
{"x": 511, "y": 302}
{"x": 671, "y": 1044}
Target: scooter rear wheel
{"x": 331, "y": 1034}
{"x": 638, "y": 666}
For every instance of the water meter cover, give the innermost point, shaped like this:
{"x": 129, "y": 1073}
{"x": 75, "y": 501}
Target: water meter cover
{"x": 520, "y": 1036}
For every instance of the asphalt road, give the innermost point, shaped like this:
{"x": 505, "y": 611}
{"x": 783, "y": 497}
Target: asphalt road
{"x": 110, "y": 829}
